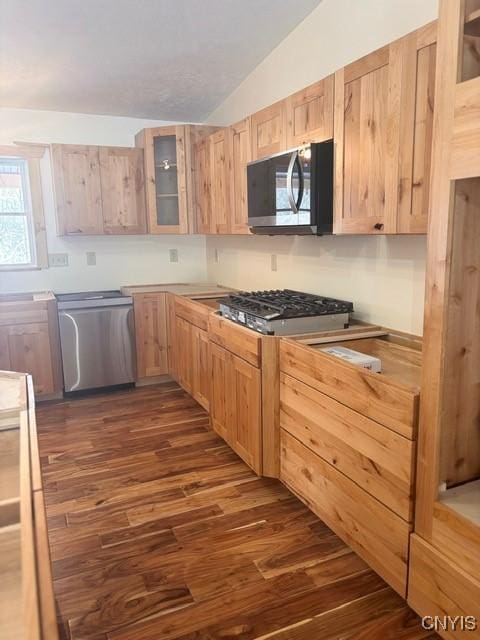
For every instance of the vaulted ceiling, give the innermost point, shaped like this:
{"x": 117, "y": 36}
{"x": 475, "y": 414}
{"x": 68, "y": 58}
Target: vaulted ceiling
{"x": 165, "y": 59}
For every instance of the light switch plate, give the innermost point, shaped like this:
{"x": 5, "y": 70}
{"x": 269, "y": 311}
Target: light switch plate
{"x": 173, "y": 255}
{"x": 273, "y": 262}
{"x": 216, "y": 256}
{"x": 58, "y": 259}
{"x": 91, "y": 258}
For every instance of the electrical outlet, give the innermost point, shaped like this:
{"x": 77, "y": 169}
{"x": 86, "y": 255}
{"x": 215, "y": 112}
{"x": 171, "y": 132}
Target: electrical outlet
{"x": 91, "y": 258}
{"x": 273, "y": 262}
{"x": 58, "y": 259}
{"x": 173, "y": 255}
{"x": 216, "y": 256}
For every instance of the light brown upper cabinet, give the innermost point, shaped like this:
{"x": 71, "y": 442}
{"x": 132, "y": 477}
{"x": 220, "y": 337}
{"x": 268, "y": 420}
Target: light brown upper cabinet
{"x": 240, "y": 149}
{"x": 166, "y": 178}
{"x": 220, "y": 179}
{"x": 269, "y": 130}
{"x": 203, "y": 202}
{"x": 310, "y": 114}
{"x": 382, "y": 129}
{"x": 123, "y": 190}
{"x": 78, "y": 191}
{"x": 98, "y": 190}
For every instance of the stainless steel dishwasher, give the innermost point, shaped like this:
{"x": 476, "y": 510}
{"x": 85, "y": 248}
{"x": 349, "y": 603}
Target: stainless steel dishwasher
{"x": 97, "y": 339}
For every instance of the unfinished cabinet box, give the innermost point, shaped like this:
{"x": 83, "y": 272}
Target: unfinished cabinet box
{"x": 269, "y": 130}
{"x": 383, "y": 131}
{"x": 98, "y": 190}
{"x": 240, "y": 149}
{"x": 151, "y": 334}
{"x": 309, "y": 114}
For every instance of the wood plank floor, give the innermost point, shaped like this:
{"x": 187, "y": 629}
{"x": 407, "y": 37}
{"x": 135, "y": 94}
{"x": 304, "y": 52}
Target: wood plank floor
{"x": 159, "y": 531}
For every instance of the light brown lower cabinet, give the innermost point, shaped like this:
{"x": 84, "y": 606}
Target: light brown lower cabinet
{"x": 183, "y": 337}
{"x": 200, "y": 367}
{"x": 235, "y": 406}
{"x": 151, "y": 334}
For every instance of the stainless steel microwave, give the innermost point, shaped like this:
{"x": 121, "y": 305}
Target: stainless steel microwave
{"x": 292, "y": 193}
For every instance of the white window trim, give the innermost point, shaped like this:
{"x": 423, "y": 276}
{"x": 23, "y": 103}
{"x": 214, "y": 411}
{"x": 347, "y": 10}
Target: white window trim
{"x": 32, "y": 154}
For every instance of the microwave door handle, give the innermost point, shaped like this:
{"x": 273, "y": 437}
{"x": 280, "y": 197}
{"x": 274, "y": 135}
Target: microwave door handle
{"x": 291, "y": 199}
{"x": 301, "y": 186}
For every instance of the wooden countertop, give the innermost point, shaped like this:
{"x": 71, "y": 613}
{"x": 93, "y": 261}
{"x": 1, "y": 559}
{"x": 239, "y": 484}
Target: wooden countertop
{"x": 190, "y": 289}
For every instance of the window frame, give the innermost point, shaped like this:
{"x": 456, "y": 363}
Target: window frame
{"x": 32, "y": 154}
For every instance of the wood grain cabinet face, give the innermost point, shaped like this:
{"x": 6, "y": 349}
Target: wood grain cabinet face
{"x": 240, "y": 145}
{"x": 200, "y": 367}
{"x": 166, "y": 179}
{"x": 78, "y": 191}
{"x": 203, "y": 202}
{"x": 383, "y": 122}
{"x": 220, "y": 179}
{"x": 172, "y": 348}
{"x": 269, "y": 131}
{"x": 151, "y": 334}
{"x": 310, "y": 114}
{"x": 26, "y": 348}
{"x": 123, "y": 190}
{"x": 235, "y": 404}
{"x": 183, "y": 336}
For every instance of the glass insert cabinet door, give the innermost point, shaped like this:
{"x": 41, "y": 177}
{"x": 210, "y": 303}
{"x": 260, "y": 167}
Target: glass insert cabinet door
{"x": 165, "y": 171}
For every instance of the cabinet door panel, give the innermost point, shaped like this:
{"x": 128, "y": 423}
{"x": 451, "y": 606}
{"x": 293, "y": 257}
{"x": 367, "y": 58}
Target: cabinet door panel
{"x": 123, "y": 190}
{"x": 268, "y": 131}
{"x": 221, "y": 410}
{"x": 200, "y": 378}
{"x": 220, "y": 175}
{"x": 76, "y": 176}
{"x": 247, "y": 433}
{"x": 26, "y": 348}
{"x": 240, "y": 143}
{"x": 203, "y": 204}
{"x": 310, "y": 114}
{"x": 172, "y": 346}
{"x": 184, "y": 350}
{"x": 151, "y": 334}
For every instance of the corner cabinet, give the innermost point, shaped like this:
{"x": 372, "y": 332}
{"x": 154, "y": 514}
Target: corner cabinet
{"x": 98, "y": 190}
{"x": 203, "y": 199}
{"x": 166, "y": 178}
{"x": 220, "y": 181}
{"x": 383, "y": 105}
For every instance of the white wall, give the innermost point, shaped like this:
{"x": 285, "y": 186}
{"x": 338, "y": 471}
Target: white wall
{"x": 120, "y": 259}
{"x": 384, "y": 277}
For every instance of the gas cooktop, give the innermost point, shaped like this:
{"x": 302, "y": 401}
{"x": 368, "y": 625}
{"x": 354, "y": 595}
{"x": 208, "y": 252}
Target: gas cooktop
{"x": 285, "y": 312}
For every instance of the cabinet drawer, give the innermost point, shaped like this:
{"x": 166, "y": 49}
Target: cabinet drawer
{"x": 192, "y": 311}
{"x": 378, "y": 535}
{"x": 245, "y": 343}
{"x": 371, "y": 394}
{"x": 438, "y": 587}
{"x": 376, "y": 458}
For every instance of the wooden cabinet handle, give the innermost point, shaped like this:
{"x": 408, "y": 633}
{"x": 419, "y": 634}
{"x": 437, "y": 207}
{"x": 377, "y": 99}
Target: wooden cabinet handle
{"x": 378, "y": 226}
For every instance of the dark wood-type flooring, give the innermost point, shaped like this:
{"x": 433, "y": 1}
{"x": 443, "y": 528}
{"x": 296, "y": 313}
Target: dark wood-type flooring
{"x": 158, "y": 530}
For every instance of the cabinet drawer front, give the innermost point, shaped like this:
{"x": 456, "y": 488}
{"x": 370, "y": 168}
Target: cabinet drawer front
{"x": 368, "y": 393}
{"x": 244, "y": 343}
{"x": 376, "y": 458}
{"x": 192, "y": 311}
{"x": 438, "y": 587}
{"x": 378, "y": 535}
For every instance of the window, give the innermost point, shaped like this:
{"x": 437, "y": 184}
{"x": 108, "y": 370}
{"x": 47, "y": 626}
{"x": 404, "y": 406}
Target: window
{"x": 22, "y": 229}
